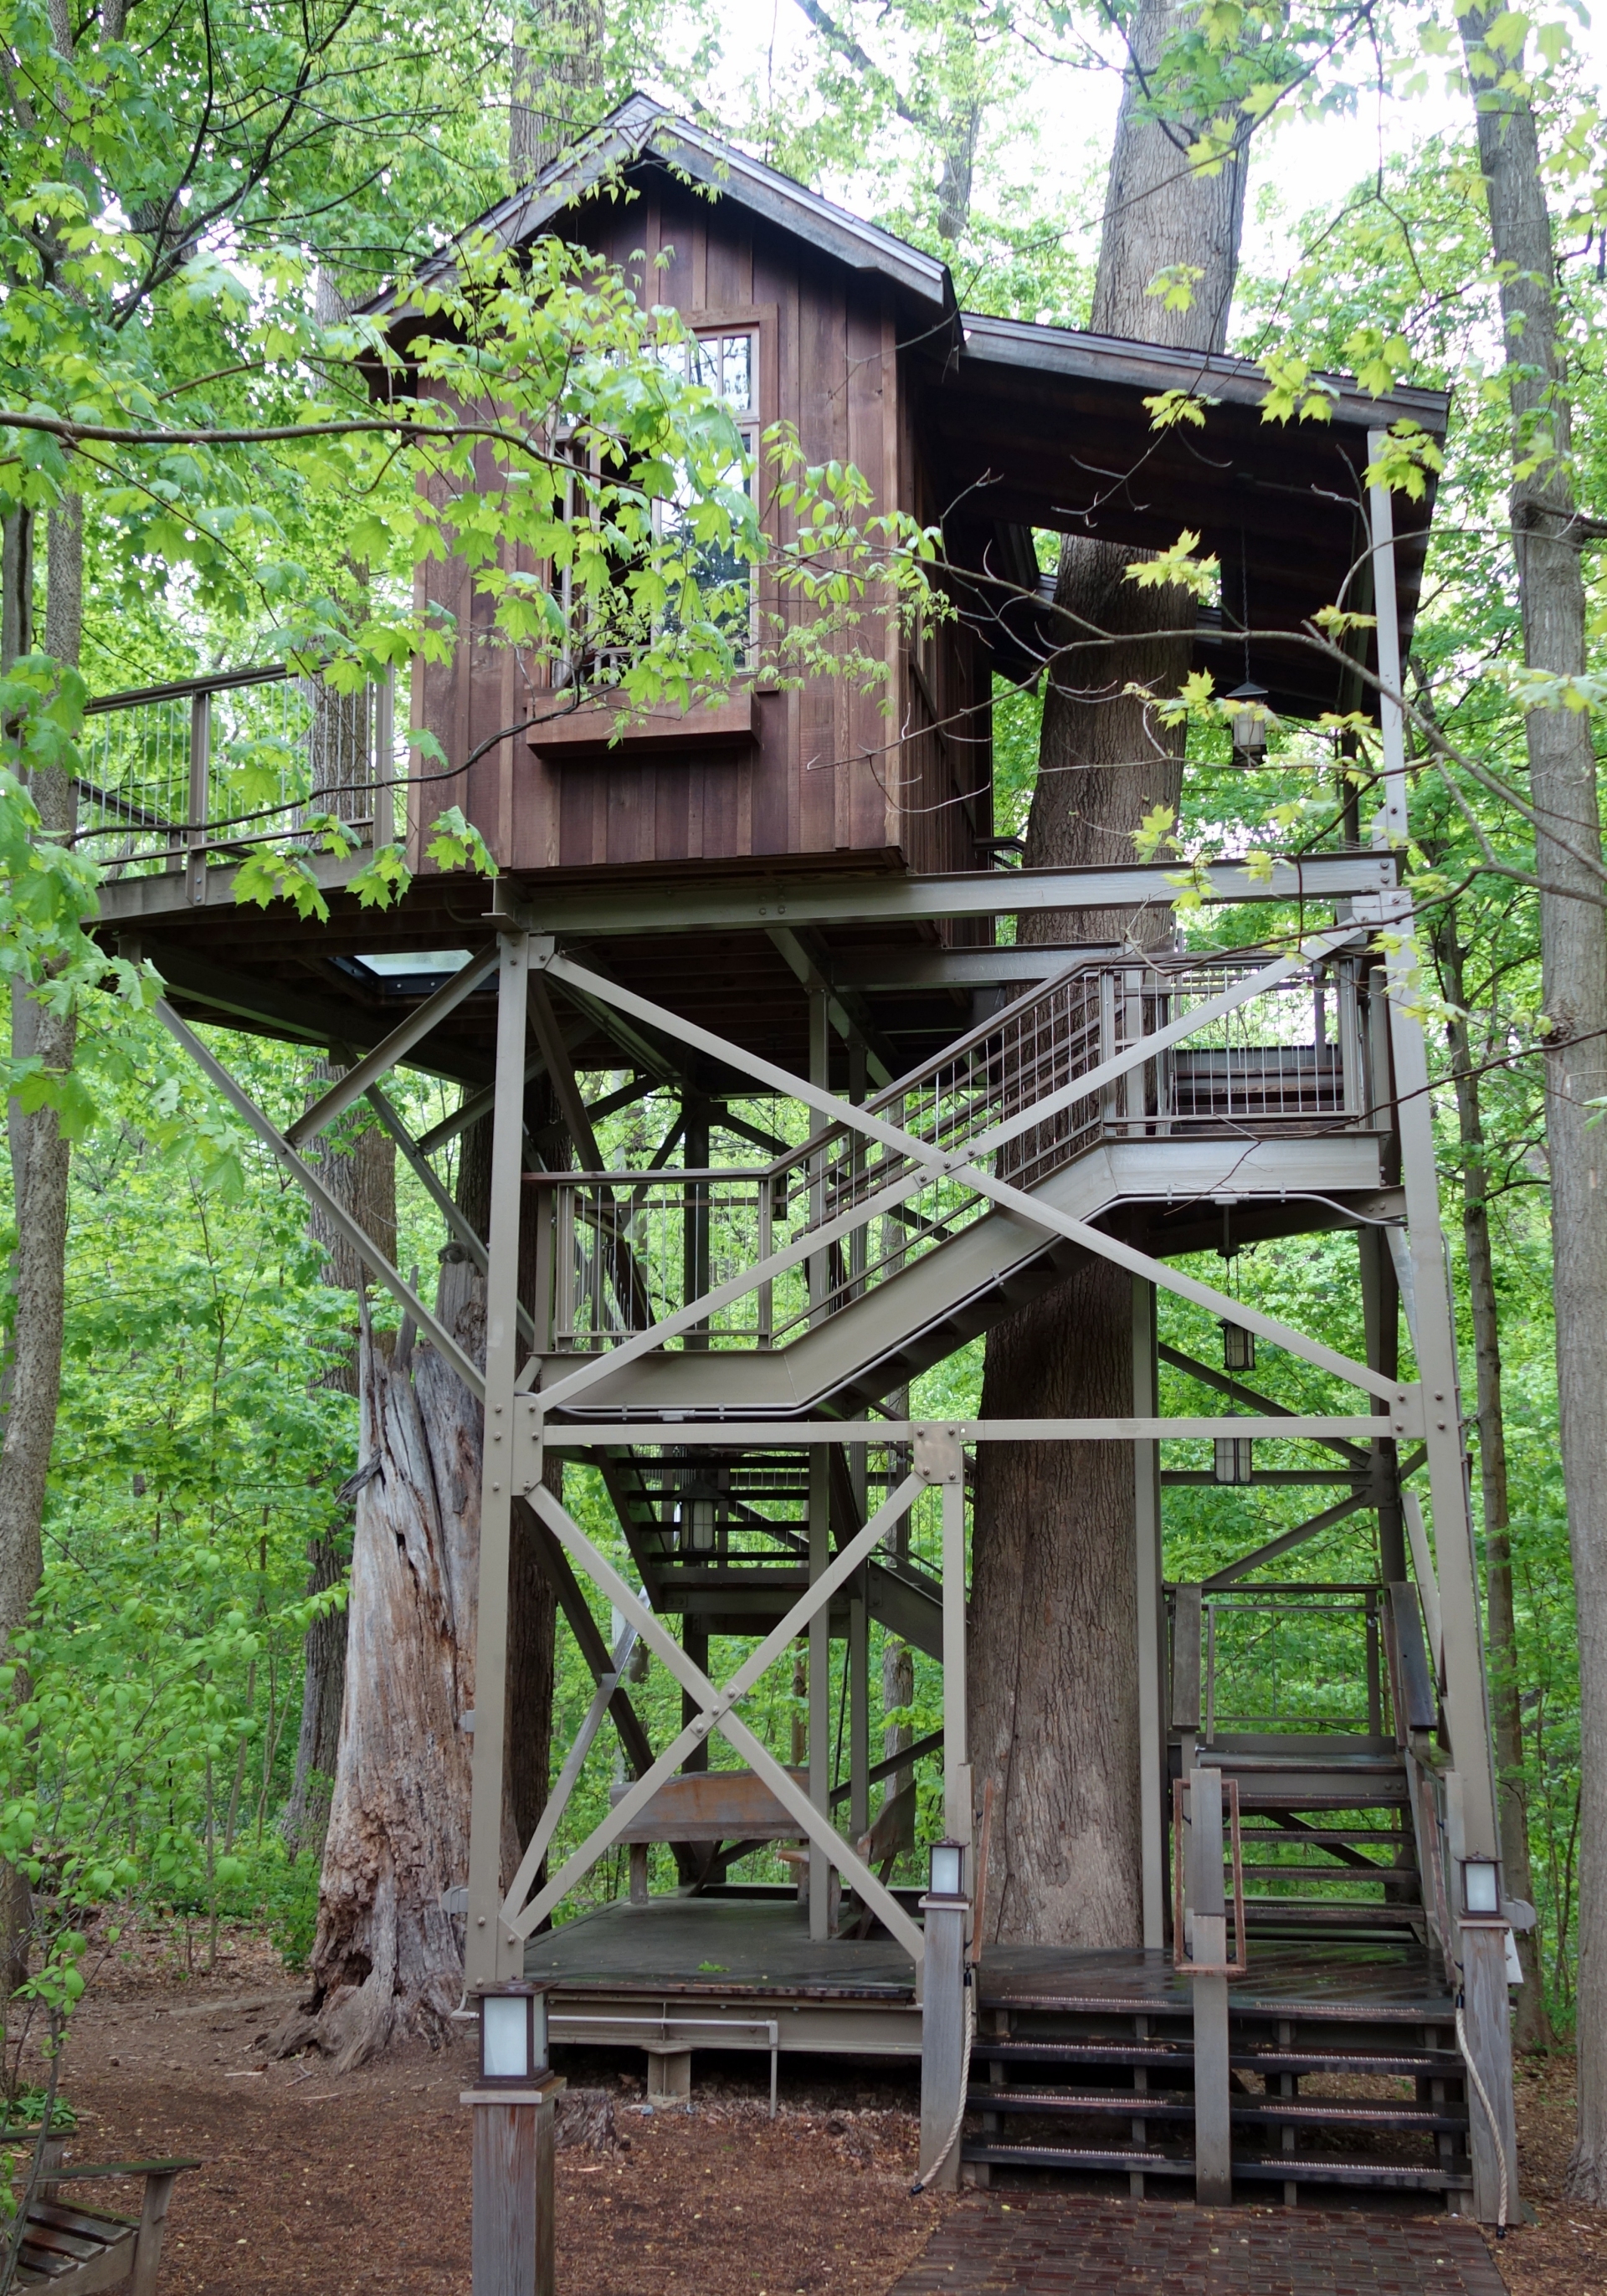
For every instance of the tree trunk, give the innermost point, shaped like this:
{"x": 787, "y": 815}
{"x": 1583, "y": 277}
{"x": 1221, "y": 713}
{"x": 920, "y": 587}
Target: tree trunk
{"x": 1053, "y": 1652}
{"x": 1532, "y": 2025}
{"x": 387, "y": 1963}
{"x": 548, "y": 109}
{"x": 1573, "y": 943}
{"x": 355, "y": 1160}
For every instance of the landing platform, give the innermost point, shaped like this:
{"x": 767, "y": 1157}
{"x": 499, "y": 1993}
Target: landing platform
{"x": 742, "y": 1972}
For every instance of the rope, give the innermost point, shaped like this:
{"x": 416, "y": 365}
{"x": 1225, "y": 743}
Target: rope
{"x": 920, "y": 2183}
{"x": 1482, "y": 2094}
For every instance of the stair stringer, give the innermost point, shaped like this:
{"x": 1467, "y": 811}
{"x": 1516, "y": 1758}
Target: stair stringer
{"x": 868, "y": 1347}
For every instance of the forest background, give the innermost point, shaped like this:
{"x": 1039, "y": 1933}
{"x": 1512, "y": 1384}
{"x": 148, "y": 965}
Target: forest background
{"x": 204, "y": 1434}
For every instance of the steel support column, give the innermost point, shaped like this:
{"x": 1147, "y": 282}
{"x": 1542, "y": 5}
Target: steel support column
{"x": 1150, "y": 1621}
{"x": 492, "y": 1950}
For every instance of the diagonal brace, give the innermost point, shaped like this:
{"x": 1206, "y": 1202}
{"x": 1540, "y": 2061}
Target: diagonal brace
{"x": 557, "y": 1800}
{"x": 425, "y": 1173}
{"x": 717, "y": 1704}
{"x": 340, "y": 1220}
{"x": 394, "y": 1047}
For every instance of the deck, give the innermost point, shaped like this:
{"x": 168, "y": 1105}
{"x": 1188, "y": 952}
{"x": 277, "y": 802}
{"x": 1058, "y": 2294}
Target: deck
{"x": 740, "y": 1972}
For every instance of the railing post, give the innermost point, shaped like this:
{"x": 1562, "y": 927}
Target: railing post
{"x": 200, "y": 789}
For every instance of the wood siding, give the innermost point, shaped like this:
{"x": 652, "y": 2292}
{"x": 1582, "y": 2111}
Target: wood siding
{"x": 830, "y": 771}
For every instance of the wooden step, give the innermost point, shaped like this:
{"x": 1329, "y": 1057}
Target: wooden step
{"x": 1349, "y": 2113}
{"x": 1114, "y": 2159}
{"x": 1413, "y": 2064}
{"x": 1303, "y": 2169}
{"x": 1131, "y": 2104}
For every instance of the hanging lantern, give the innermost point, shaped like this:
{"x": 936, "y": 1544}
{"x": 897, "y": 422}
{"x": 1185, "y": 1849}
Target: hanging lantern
{"x": 703, "y": 1523}
{"x": 1235, "y": 1457}
{"x": 1247, "y": 722}
{"x": 1238, "y": 1348}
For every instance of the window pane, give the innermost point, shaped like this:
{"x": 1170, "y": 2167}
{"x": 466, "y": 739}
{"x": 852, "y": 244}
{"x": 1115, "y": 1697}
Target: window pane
{"x": 739, "y": 377}
{"x": 707, "y": 371}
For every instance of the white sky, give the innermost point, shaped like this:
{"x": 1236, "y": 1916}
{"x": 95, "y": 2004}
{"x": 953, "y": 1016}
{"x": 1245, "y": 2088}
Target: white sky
{"x": 1308, "y": 165}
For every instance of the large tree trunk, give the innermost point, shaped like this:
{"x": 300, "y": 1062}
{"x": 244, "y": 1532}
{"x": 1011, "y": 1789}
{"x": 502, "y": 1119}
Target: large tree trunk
{"x": 41, "y": 1168}
{"x": 1532, "y": 2025}
{"x": 549, "y": 108}
{"x": 1053, "y": 1664}
{"x": 387, "y": 1963}
{"x": 357, "y": 1162}
{"x": 1573, "y": 945}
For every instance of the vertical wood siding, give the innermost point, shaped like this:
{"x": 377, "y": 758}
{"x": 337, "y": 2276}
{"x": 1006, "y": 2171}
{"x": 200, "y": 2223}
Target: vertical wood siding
{"x": 835, "y": 770}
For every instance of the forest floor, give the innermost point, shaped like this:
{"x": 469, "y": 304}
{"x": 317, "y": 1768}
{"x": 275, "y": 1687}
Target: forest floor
{"x": 311, "y": 2182}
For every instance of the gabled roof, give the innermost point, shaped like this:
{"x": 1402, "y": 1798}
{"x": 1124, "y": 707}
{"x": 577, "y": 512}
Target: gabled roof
{"x": 641, "y": 130}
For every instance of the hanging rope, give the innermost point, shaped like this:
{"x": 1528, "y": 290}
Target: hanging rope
{"x": 920, "y": 2183}
{"x": 1482, "y": 2094}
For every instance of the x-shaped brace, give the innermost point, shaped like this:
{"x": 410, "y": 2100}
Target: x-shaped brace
{"x": 717, "y": 1705}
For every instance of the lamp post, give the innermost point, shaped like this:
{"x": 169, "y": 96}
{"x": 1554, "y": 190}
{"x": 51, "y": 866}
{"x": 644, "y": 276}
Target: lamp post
{"x": 945, "y": 2066}
{"x": 512, "y": 2099}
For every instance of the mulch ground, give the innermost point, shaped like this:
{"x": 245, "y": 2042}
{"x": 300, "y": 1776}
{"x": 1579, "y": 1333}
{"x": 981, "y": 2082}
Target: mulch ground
{"x": 313, "y": 2183}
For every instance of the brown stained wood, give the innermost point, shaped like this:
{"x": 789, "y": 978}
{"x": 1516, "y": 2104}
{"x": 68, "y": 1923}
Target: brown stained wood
{"x": 712, "y": 1806}
{"x": 513, "y": 2214}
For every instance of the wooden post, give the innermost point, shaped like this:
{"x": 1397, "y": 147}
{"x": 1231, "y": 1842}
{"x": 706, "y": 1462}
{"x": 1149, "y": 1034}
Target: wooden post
{"x": 1212, "y": 2126}
{"x": 514, "y": 2206}
{"x": 147, "y": 2245}
{"x": 943, "y": 2066}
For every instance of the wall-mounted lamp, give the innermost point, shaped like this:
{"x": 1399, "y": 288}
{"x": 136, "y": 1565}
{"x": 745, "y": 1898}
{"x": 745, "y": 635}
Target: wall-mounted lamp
{"x": 1481, "y": 1885}
{"x": 513, "y": 2035}
{"x": 1235, "y": 1457}
{"x": 703, "y": 1523}
{"x": 947, "y": 1872}
{"x": 1247, "y": 722}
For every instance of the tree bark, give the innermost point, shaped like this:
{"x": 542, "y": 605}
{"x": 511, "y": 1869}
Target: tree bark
{"x": 1531, "y": 2024}
{"x": 1573, "y": 948}
{"x": 546, "y": 108}
{"x": 1053, "y": 1649}
{"x": 387, "y": 1963}
{"x": 355, "y": 1160}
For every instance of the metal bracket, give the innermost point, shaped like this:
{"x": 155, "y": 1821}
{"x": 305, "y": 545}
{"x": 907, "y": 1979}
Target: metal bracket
{"x": 938, "y": 1453}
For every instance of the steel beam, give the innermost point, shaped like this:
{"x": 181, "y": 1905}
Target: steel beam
{"x": 340, "y": 1220}
{"x": 493, "y": 1951}
{"x": 440, "y": 1195}
{"x": 784, "y": 1434}
{"x": 1287, "y": 1541}
{"x": 718, "y": 1705}
{"x": 932, "y": 1162}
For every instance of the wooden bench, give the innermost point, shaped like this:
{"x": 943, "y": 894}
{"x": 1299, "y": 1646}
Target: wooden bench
{"x": 713, "y": 1807}
{"x": 73, "y": 2250}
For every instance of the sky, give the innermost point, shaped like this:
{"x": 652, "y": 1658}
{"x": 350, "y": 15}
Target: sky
{"x": 1306, "y": 166}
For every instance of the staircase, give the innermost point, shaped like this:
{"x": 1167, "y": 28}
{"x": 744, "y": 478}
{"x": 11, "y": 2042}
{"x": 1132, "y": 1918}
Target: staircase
{"x": 1365, "y": 2089}
{"x": 1272, "y": 1103}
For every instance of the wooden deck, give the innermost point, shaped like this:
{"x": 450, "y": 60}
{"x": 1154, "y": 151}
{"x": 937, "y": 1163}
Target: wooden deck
{"x": 675, "y": 1957}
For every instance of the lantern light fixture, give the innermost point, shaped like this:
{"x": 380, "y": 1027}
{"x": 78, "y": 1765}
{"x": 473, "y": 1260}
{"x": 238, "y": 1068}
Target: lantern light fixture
{"x": 513, "y": 2035}
{"x": 946, "y": 1877}
{"x": 1247, "y": 722}
{"x": 1238, "y": 1348}
{"x": 1234, "y": 1458}
{"x": 1481, "y": 1885}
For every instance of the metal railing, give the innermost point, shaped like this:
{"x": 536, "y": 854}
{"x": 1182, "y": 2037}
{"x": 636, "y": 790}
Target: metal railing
{"x": 1292, "y": 1659}
{"x": 625, "y": 1252}
{"x": 207, "y": 768}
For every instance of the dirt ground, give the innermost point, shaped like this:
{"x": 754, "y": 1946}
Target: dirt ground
{"x": 311, "y": 2182}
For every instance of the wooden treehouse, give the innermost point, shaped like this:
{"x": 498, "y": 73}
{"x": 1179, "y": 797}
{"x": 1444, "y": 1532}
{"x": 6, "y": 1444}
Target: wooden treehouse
{"x": 793, "y": 896}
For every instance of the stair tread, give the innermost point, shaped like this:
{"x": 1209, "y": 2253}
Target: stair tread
{"x": 1429, "y": 2064}
{"x": 1080, "y": 2156}
{"x": 1153, "y": 2105}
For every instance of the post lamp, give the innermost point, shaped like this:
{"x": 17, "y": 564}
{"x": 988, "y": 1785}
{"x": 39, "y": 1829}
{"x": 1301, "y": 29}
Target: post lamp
{"x": 943, "y": 2022}
{"x": 1481, "y": 1887}
{"x": 1247, "y": 722}
{"x": 513, "y": 2035}
{"x": 513, "y": 2098}
{"x": 946, "y": 1873}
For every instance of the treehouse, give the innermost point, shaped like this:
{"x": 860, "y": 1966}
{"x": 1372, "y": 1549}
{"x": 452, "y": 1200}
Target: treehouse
{"x": 793, "y": 896}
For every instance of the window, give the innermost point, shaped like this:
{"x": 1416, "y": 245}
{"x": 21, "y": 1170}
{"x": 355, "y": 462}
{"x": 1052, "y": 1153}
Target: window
{"x": 726, "y": 363}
